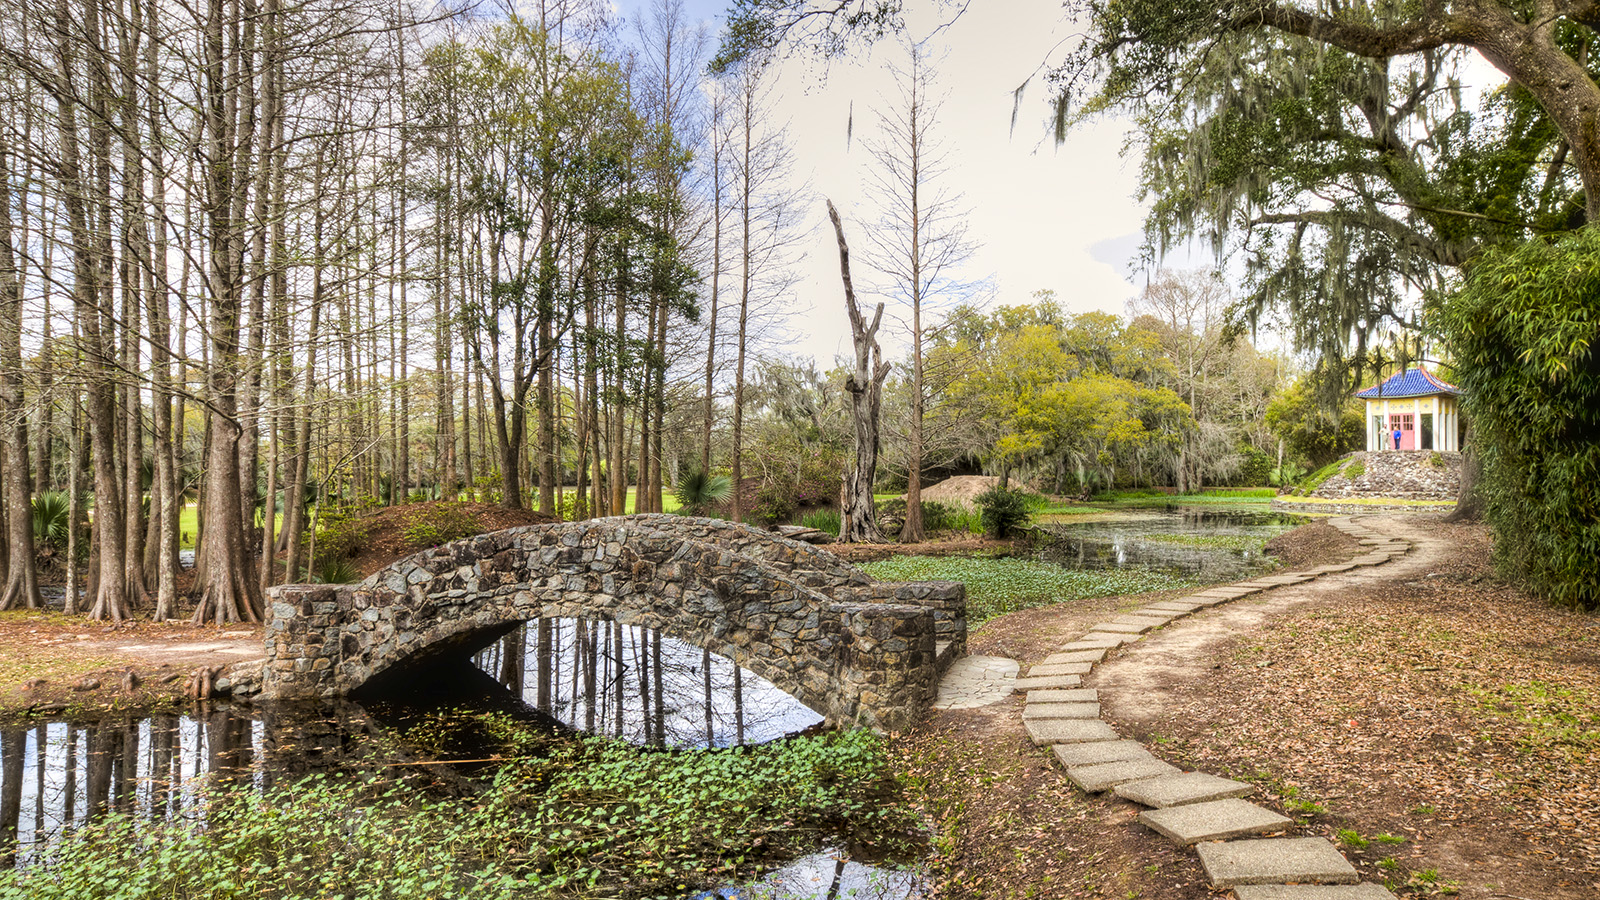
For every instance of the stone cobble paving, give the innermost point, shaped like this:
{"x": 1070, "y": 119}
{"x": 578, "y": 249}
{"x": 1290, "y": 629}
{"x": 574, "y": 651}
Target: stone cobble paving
{"x": 1192, "y": 808}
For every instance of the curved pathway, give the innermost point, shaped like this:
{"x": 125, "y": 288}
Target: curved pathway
{"x": 1193, "y": 808}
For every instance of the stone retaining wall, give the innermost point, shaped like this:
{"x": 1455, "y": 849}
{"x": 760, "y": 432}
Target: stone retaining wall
{"x": 1398, "y": 474}
{"x": 854, "y": 650}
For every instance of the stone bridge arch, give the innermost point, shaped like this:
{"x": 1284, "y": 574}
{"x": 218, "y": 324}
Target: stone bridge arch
{"x": 856, "y": 650}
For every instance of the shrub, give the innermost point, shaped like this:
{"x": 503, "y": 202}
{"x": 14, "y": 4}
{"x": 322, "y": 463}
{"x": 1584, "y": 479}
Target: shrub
{"x": 1004, "y": 511}
{"x": 339, "y": 535}
{"x": 697, "y": 492}
{"x": 50, "y": 518}
{"x": 823, "y": 520}
{"x": 338, "y": 571}
{"x": 437, "y": 523}
{"x": 937, "y": 516}
{"x": 1523, "y": 330}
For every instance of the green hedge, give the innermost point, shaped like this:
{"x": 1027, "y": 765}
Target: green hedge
{"x": 1523, "y": 329}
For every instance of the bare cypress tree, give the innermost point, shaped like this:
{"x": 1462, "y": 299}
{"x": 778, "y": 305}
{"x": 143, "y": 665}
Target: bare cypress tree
{"x": 919, "y": 239}
{"x": 857, "y": 515}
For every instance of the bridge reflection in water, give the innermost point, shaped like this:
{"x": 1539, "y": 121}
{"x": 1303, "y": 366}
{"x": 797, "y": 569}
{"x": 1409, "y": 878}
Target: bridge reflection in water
{"x": 640, "y": 685}
{"x": 57, "y": 776}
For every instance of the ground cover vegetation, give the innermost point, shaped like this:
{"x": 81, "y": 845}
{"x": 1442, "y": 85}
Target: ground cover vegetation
{"x": 1004, "y": 584}
{"x": 560, "y": 817}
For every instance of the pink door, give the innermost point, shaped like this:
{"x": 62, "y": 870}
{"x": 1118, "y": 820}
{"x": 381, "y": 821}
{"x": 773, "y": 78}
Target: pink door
{"x": 1403, "y": 423}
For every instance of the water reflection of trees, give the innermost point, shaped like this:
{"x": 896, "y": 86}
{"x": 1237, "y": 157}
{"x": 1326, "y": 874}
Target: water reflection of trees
{"x": 60, "y": 775}
{"x": 640, "y": 685}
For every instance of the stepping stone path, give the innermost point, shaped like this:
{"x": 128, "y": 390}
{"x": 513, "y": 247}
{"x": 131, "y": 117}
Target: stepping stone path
{"x": 974, "y": 681}
{"x": 1191, "y": 808}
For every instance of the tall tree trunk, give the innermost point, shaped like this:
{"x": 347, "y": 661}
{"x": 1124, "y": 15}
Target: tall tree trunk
{"x": 21, "y": 577}
{"x": 858, "y": 517}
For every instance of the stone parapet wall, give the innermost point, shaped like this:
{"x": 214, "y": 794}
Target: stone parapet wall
{"x": 1334, "y": 508}
{"x": 1398, "y": 474}
{"x": 856, "y": 651}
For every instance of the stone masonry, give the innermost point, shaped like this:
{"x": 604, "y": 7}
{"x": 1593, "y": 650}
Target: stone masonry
{"x": 857, "y": 651}
{"x": 1401, "y": 474}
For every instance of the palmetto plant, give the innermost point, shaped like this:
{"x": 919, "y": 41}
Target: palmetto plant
{"x": 50, "y": 518}
{"x": 699, "y": 491}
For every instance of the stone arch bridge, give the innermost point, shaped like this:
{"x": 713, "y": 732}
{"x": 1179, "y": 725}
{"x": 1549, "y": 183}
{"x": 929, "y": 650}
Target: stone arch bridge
{"x": 856, "y": 650}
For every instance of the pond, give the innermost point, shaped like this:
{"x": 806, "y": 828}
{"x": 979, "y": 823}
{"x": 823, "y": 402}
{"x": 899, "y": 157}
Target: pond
{"x": 702, "y": 757}
{"x": 1201, "y": 543}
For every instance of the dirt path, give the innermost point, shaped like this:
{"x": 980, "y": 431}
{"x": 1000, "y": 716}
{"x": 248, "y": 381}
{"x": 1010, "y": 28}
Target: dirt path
{"x": 1440, "y": 725}
{"x": 51, "y": 663}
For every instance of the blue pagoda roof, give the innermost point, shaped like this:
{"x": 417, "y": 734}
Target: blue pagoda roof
{"x": 1413, "y": 382}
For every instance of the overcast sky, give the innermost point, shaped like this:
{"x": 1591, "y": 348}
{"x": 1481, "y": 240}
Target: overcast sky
{"x": 1046, "y": 217}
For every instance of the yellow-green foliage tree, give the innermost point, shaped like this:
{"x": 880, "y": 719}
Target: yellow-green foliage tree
{"x": 1071, "y": 398}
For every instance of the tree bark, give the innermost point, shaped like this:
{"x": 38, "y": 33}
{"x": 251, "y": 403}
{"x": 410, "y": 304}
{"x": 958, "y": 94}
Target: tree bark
{"x": 858, "y": 518}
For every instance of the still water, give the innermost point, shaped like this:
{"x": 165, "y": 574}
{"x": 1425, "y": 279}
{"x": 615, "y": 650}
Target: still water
{"x": 1206, "y": 544}
{"x": 567, "y": 676}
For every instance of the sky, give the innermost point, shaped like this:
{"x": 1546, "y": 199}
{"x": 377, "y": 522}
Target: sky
{"x": 1064, "y": 218}
{"x": 1046, "y": 217}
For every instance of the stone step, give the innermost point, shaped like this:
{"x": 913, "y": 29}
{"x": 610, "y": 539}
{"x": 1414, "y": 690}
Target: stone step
{"x": 1180, "y": 790}
{"x": 1060, "y": 669}
{"x": 1177, "y": 606}
{"x": 1072, "y": 755}
{"x": 1075, "y": 656}
{"x": 1228, "y": 593}
{"x": 1057, "y": 695}
{"x": 1366, "y": 891}
{"x": 1080, "y": 644}
{"x": 1153, "y": 620}
{"x": 1068, "y": 731}
{"x": 1205, "y": 601}
{"x": 1105, "y": 776}
{"x": 1275, "y": 861}
{"x": 1046, "y": 682}
{"x": 1214, "y": 820}
{"x": 1120, "y": 627}
{"x": 1035, "y": 710}
{"x": 1118, "y": 637}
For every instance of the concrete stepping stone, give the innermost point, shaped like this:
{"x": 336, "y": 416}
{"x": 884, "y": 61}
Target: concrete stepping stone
{"x": 1275, "y": 861}
{"x": 975, "y": 681}
{"x": 1075, "y": 646}
{"x": 1076, "y": 668}
{"x": 1366, "y": 891}
{"x": 1152, "y": 620}
{"x": 1177, "y": 606}
{"x": 1105, "y": 776}
{"x": 1179, "y": 790}
{"x": 1205, "y": 601}
{"x": 1075, "y": 656}
{"x": 1046, "y": 682}
{"x": 1214, "y": 820}
{"x": 1060, "y": 710}
{"x": 1068, "y": 731}
{"x": 1120, "y": 627}
{"x": 1055, "y": 695}
{"x": 1120, "y": 637}
{"x": 1073, "y": 755}
{"x": 1227, "y": 593}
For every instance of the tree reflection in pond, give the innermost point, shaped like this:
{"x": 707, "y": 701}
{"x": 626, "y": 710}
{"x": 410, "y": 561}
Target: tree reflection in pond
{"x": 59, "y": 775}
{"x": 641, "y": 685}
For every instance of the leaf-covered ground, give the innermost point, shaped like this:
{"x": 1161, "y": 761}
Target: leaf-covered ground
{"x": 1440, "y": 725}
